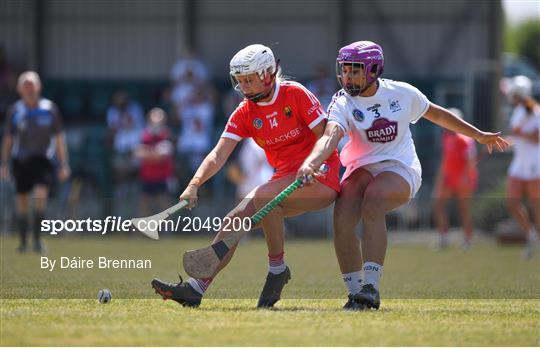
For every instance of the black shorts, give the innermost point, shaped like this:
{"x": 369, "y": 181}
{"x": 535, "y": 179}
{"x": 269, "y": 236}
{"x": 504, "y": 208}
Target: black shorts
{"x": 31, "y": 171}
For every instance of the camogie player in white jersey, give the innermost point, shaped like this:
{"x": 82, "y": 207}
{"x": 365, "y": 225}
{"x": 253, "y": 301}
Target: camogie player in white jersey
{"x": 382, "y": 169}
{"x": 524, "y": 171}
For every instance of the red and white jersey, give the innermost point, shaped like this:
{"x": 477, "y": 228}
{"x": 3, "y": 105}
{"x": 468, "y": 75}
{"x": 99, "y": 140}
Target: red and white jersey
{"x": 282, "y": 126}
{"x": 458, "y": 150}
{"x": 378, "y": 126}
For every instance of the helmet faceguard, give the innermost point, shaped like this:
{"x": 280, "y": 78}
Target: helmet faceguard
{"x": 365, "y": 55}
{"x": 254, "y": 59}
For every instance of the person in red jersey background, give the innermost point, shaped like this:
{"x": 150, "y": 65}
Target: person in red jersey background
{"x": 156, "y": 155}
{"x": 457, "y": 177}
{"x": 285, "y": 120}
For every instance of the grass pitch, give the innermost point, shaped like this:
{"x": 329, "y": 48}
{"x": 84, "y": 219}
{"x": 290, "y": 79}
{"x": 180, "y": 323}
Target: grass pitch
{"x": 486, "y": 296}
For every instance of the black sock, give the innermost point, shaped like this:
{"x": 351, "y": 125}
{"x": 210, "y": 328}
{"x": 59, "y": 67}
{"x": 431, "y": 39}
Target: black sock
{"x": 38, "y": 217}
{"x": 22, "y": 226}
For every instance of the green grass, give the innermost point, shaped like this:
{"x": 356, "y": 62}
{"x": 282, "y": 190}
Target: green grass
{"x": 487, "y": 296}
{"x": 297, "y": 322}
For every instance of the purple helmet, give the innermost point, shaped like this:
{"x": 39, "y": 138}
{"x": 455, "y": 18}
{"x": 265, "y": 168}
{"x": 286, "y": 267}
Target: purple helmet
{"x": 368, "y": 55}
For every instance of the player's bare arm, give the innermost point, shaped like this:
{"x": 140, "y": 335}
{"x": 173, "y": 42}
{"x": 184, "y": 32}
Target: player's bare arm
{"x": 446, "y": 119}
{"x": 212, "y": 163}
{"x": 319, "y": 129}
{"x": 321, "y": 151}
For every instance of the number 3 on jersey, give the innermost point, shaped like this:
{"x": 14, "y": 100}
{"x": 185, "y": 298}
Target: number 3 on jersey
{"x": 273, "y": 123}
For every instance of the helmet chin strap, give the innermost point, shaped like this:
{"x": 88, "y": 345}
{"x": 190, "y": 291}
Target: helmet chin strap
{"x": 260, "y": 96}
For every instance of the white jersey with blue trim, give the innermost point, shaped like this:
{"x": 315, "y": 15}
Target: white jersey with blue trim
{"x": 378, "y": 126}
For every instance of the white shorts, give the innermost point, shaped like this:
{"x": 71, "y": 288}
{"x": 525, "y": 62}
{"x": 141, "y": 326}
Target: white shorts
{"x": 411, "y": 176}
{"x": 524, "y": 170}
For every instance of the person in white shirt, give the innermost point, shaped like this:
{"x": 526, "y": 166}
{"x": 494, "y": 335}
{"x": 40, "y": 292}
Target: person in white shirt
{"x": 382, "y": 169}
{"x": 197, "y": 120}
{"x": 524, "y": 171}
{"x": 253, "y": 167}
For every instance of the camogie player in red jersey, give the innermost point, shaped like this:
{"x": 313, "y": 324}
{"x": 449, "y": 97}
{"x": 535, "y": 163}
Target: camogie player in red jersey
{"x": 457, "y": 177}
{"x": 284, "y": 119}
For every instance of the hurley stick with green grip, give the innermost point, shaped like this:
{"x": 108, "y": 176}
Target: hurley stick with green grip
{"x": 203, "y": 263}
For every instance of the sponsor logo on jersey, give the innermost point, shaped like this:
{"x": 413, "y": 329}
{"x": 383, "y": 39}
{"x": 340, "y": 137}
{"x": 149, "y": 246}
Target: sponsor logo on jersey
{"x": 259, "y": 141}
{"x": 382, "y": 131}
{"x": 375, "y": 109}
{"x": 394, "y": 105}
{"x": 273, "y": 114}
{"x": 358, "y": 115}
{"x": 288, "y": 111}
{"x": 257, "y": 123}
{"x": 293, "y": 133}
{"x": 312, "y": 109}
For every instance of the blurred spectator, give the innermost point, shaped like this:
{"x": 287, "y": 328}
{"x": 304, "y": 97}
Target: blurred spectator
{"x": 323, "y": 85}
{"x": 252, "y": 168}
{"x": 122, "y": 109}
{"x": 166, "y": 104}
{"x": 125, "y": 122}
{"x": 32, "y": 135}
{"x": 196, "y": 120}
{"x": 182, "y": 92}
{"x": 230, "y": 102}
{"x": 189, "y": 67}
{"x": 457, "y": 177}
{"x": 7, "y": 83}
{"x": 187, "y": 75}
{"x": 524, "y": 172}
{"x": 156, "y": 156}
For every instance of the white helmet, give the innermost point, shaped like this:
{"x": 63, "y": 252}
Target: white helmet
{"x": 252, "y": 59}
{"x": 520, "y": 86}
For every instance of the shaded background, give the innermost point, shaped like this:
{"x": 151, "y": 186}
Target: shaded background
{"x": 86, "y": 50}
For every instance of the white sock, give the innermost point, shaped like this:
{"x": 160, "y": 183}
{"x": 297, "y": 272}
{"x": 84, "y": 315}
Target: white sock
{"x": 353, "y": 281}
{"x": 200, "y": 285}
{"x": 277, "y": 269}
{"x": 372, "y": 273}
{"x": 276, "y": 263}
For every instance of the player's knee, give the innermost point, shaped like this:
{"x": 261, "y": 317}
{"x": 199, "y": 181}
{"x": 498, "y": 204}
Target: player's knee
{"x": 241, "y": 211}
{"x": 373, "y": 203}
{"x": 263, "y": 192}
{"x": 263, "y": 195}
